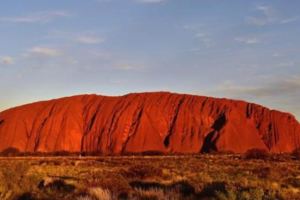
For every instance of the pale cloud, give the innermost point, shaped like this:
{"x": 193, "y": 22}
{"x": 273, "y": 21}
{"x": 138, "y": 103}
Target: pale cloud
{"x": 268, "y": 15}
{"x": 276, "y": 54}
{"x": 286, "y": 64}
{"x": 45, "y": 51}
{"x": 38, "y": 17}
{"x": 127, "y": 65}
{"x": 139, "y": 1}
{"x": 208, "y": 42}
{"x": 102, "y": 55}
{"x": 274, "y": 87}
{"x": 194, "y": 26}
{"x": 7, "y": 60}
{"x": 200, "y": 35}
{"x": 151, "y": 1}
{"x": 289, "y": 20}
{"x": 205, "y": 39}
{"x": 250, "y": 40}
{"x": 277, "y": 92}
{"x": 85, "y": 39}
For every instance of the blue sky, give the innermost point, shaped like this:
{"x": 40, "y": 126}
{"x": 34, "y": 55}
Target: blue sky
{"x": 236, "y": 49}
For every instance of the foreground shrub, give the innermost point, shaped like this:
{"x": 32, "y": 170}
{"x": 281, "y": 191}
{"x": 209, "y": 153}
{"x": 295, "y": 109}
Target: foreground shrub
{"x": 25, "y": 196}
{"x": 293, "y": 181}
{"x": 296, "y": 154}
{"x": 152, "y": 153}
{"x": 183, "y": 187}
{"x": 11, "y": 151}
{"x": 142, "y": 171}
{"x": 223, "y": 191}
{"x": 56, "y": 188}
{"x": 257, "y": 154}
{"x": 215, "y": 189}
{"x": 62, "y": 153}
{"x": 92, "y": 153}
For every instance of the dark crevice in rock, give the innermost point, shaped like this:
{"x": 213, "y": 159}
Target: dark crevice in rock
{"x": 88, "y": 129}
{"x": 91, "y": 122}
{"x": 112, "y": 126}
{"x": 99, "y": 140}
{"x": 63, "y": 125}
{"x": 35, "y": 135}
{"x": 209, "y": 144}
{"x": 38, "y": 137}
{"x": 134, "y": 125}
{"x": 249, "y": 110}
{"x": 220, "y": 122}
{"x": 173, "y": 122}
{"x": 26, "y": 130}
{"x": 203, "y": 104}
{"x": 112, "y": 123}
{"x": 267, "y": 136}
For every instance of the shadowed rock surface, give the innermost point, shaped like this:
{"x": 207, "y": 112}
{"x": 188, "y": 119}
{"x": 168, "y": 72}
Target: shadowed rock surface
{"x": 141, "y": 122}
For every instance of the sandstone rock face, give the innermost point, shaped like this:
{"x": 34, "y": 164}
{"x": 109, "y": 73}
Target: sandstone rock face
{"x": 160, "y": 121}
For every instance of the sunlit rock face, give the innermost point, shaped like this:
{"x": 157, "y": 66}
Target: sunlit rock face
{"x": 143, "y": 122}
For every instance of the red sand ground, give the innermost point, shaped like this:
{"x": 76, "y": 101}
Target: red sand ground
{"x": 165, "y": 122}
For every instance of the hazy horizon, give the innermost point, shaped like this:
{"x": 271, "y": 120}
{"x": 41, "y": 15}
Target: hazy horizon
{"x": 240, "y": 50}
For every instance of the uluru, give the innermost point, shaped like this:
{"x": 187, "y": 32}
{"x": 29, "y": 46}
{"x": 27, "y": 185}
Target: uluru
{"x": 142, "y": 122}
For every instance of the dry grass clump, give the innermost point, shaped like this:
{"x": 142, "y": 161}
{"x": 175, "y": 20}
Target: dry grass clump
{"x": 115, "y": 183}
{"x": 155, "y": 194}
{"x": 101, "y": 194}
{"x": 86, "y": 197}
